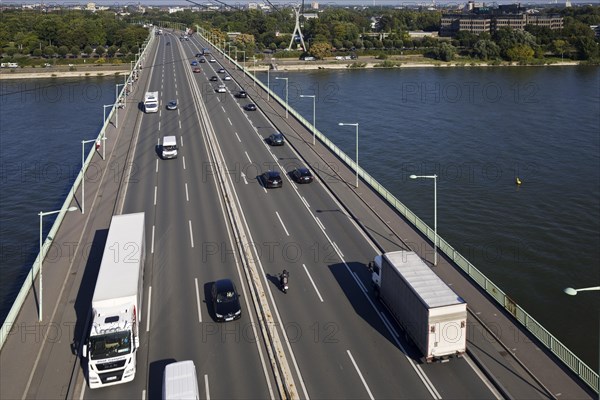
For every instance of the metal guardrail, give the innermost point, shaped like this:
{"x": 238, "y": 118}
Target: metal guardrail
{"x": 587, "y": 374}
{"x": 12, "y": 315}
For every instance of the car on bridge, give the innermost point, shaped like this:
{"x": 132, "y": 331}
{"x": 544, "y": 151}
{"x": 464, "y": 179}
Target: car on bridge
{"x": 241, "y": 94}
{"x": 212, "y": 60}
{"x": 196, "y": 70}
{"x": 271, "y": 179}
{"x": 198, "y": 55}
{"x": 202, "y": 60}
{"x": 172, "y": 105}
{"x": 250, "y": 107}
{"x": 214, "y": 78}
{"x": 194, "y": 63}
{"x": 226, "y": 301}
{"x": 301, "y": 175}
{"x": 276, "y": 139}
{"x": 221, "y": 88}
{"x": 221, "y": 70}
{"x": 226, "y": 78}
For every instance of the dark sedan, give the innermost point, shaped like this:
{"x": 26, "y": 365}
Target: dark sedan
{"x": 250, "y": 107}
{"x": 241, "y": 94}
{"x": 276, "y": 139}
{"x": 301, "y": 175}
{"x": 272, "y": 179}
{"x": 226, "y": 301}
{"x": 214, "y": 78}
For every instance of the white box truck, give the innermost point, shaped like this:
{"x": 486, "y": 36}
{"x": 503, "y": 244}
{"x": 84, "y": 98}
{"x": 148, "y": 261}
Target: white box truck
{"x": 114, "y": 337}
{"x": 180, "y": 381}
{"x": 169, "y": 147}
{"x": 151, "y": 102}
{"x": 432, "y": 315}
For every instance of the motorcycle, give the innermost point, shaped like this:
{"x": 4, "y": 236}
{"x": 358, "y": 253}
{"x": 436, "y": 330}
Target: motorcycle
{"x": 283, "y": 281}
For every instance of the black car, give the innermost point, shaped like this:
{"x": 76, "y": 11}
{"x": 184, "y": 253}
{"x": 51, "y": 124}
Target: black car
{"x": 301, "y": 175}
{"x": 241, "y": 94}
{"x": 250, "y": 107}
{"x": 172, "y": 105}
{"x": 214, "y": 78}
{"x": 226, "y": 301}
{"x": 198, "y": 55}
{"x": 221, "y": 71}
{"x": 272, "y": 179}
{"x": 276, "y": 139}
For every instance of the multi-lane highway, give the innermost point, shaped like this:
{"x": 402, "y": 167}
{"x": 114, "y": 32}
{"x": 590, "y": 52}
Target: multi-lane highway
{"x": 337, "y": 340}
{"x": 210, "y": 217}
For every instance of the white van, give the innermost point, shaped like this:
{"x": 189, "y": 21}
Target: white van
{"x": 180, "y": 381}
{"x": 169, "y": 147}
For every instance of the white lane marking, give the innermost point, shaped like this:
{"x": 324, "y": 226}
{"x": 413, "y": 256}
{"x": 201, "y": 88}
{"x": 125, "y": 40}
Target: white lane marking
{"x": 305, "y": 202}
{"x": 483, "y": 378}
{"x": 82, "y": 391}
{"x": 152, "y": 243}
{"x": 183, "y": 157}
{"x": 158, "y": 141}
{"x": 191, "y": 234}
{"x": 320, "y": 223}
{"x": 198, "y": 301}
{"x": 274, "y": 157}
{"x": 157, "y": 165}
{"x": 313, "y": 283}
{"x": 187, "y": 195}
{"x": 360, "y": 375}
{"x": 247, "y": 156}
{"x": 223, "y": 108}
{"x": 389, "y": 325}
{"x": 149, "y": 305}
{"x": 181, "y": 136}
{"x": 230, "y": 123}
{"x": 155, "y": 187}
{"x": 238, "y": 138}
{"x": 159, "y": 124}
{"x": 144, "y": 394}
{"x": 337, "y": 249}
{"x": 360, "y": 284}
{"x": 206, "y": 385}
{"x": 244, "y": 178}
{"x": 281, "y": 221}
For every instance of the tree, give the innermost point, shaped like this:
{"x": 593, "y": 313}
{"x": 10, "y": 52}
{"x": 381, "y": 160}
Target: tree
{"x": 112, "y": 50}
{"x": 87, "y": 50}
{"x": 521, "y": 53}
{"x": 50, "y": 51}
{"x": 444, "y": 52}
{"x": 100, "y": 50}
{"x": 486, "y": 49}
{"x": 320, "y": 50}
{"x": 587, "y": 48}
{"x": 559, "y": 46}
{"x": 63, "y": 51}
{"x": 74, "y": 50}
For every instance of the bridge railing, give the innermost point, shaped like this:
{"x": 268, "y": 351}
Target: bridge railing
{"x": 562, "y": 352}
{"x": 13, "y": 313}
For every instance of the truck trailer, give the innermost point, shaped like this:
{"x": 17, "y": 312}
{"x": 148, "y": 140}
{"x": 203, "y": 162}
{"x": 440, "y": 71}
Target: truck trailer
{"x": 151, "y": 102}
{"x": 114, "y": 338}
{"x": 431, "y": 314}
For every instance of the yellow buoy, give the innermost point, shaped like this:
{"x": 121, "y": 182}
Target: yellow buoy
{"x": 518, "y": 181}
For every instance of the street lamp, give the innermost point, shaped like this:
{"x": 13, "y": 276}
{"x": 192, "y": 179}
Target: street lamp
{"x": 435, "y": 244}
{"x": 573, "y": 292}
{"x": 104, "y": 129}
{"x": 268, "y": 83}
{"x": 40, "y": 257}
{"x": 83, "y": 143}
{"x": 286, "y": 94}
{"x": 314, "y": 124}
{"x": 117, "y": 103}
{"x": 356, "y": 125}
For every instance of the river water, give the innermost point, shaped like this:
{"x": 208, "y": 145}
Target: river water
{"x": 476, "y": 128}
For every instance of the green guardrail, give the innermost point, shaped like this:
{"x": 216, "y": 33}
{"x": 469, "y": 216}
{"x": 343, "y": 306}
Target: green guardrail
{"x": 562, "y": 352}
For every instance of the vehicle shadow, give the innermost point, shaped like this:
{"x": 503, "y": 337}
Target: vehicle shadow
{"x": 208, "y": 300}
{"x": 83, "y": 301}
{"x": 365, "y": 310}
{"x": 155, "y": 377}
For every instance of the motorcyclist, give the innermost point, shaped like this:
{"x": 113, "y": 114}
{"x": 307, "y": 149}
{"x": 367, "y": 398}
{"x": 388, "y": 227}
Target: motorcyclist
{"x": 283, "y": 279}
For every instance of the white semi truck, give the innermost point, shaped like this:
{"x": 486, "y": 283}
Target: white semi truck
{"x": 114, "y": 337}
{"x": 432, "y": 315}
{"x": 151, "y": 102}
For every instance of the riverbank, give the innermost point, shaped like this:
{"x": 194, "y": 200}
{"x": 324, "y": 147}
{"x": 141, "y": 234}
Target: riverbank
{"x": 89, "y": 71}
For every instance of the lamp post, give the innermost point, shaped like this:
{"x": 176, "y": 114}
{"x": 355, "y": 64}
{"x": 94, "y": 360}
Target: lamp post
{"x": 435, "y": 244}
{"x": 104, "y": 129}
{"x": 268, "y": 84}
{"x": 40, "y": 256}
{"x": 229, "y": 52}
{"x": 573, "y": 292}
{"x": 117, "y": 103}
{"x": 83, "y": 143}
{"x": 314, "y": 124}
{"x": 356, "y": 125}
{"x": 254, "y": 60}
{"x": 244, "y": 62}
{"x": 286, "y": 94}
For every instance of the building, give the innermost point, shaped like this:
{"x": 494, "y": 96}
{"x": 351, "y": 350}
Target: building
{"x": 478, "y": 22}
